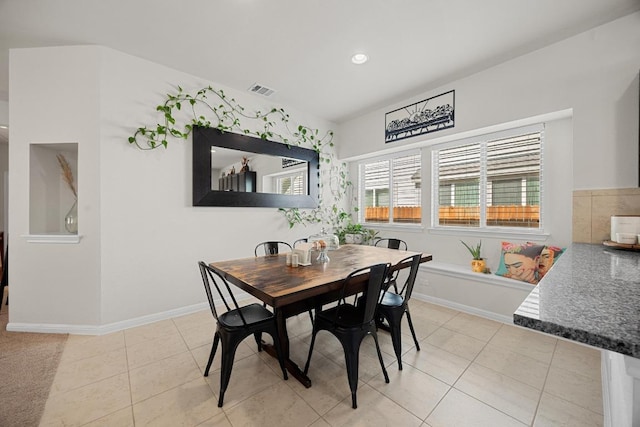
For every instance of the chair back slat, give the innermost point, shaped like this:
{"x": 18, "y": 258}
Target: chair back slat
{"x": 392, "y": 243}
{"x": 373, "y": 295}
{"x": 271, "y": 247}
{"x": 407, "y": 288}
{"x": 209, "y": 276}
{"x": 377, "y": 274}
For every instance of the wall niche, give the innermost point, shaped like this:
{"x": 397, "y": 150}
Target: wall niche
{"x": 53, "y": 185}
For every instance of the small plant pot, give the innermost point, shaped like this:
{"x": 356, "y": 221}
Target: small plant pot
{"x": 478, "y": 265}
{"x": 353, "y": 238}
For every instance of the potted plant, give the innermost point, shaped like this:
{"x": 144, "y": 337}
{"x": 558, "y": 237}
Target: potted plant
{"x": 356, "y": 233}
{"x": 478, "y": 264}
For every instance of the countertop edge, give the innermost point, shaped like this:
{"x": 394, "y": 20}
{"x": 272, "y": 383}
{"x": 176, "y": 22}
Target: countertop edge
{"x": 589, "y": 296}
{"x": 578, "y": 335}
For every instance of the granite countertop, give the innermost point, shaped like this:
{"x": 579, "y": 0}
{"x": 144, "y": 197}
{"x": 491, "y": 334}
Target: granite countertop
{"x": 590, "y": 295}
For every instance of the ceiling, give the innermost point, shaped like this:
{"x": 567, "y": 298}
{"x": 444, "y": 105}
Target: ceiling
{"x": 302, "y": 48}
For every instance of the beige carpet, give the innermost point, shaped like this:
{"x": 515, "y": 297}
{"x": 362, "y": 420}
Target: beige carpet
{"x": 28, "y": 364}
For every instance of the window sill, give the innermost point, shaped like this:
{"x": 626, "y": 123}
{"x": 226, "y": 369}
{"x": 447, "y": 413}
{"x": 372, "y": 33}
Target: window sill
{"x": 397, "y": 226}
{"x": 497, "y": 233}
{"x": 52, "y": 238}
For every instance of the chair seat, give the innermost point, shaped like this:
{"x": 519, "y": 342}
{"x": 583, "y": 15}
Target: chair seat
{"x": 349, "y": 316}
{"x": 253, "y": 313}
{"x": 392, "y": 300}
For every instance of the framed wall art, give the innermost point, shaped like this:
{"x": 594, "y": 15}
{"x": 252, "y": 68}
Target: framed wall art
{"x": 432, "y": 114}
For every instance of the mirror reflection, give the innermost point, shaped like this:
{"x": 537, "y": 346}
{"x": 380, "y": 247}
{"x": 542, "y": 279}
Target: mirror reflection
{"x": 231, "y": 169}
{"x": 234, "y": 170}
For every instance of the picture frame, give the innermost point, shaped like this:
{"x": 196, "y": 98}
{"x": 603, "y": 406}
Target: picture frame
{"x": 429, "y": 115}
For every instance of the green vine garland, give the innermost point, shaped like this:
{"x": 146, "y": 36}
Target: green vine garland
{"x": 226, "y": 116}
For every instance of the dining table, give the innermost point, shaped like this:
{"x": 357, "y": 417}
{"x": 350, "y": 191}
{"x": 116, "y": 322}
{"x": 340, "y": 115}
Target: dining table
{"x": 294, "y": 290}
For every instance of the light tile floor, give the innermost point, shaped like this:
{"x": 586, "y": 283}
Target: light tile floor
{"x": 470, "y": 372}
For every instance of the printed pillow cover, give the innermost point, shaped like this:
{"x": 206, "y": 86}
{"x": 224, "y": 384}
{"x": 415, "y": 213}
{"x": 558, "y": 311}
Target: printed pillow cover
{"x": 520, "y": 261}
{"x": 548, "y": 257}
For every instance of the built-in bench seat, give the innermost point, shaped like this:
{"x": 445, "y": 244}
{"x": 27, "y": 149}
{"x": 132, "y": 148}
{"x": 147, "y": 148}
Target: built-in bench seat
{"x": 457, "y": 287}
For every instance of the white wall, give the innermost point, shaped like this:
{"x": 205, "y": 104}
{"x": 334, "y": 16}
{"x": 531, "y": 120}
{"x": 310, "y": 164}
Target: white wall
{"x": 54, "y": 99}
{"x": 141, "y": 238}
{"x": 594, "y": 73}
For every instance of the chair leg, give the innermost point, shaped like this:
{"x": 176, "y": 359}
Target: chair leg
{"x": 228, "y": 354}
{"x": 352, "y": 356}
{"x": 415, "y": 340}
{"x": 214, "y": 347}
{"x": 396, "y": 339}
{"x": 258, "y": 338}
{"x": 384, "y": 370}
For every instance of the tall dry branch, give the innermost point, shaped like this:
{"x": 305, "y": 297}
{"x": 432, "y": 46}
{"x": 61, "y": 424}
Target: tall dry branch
{"x": 67, "y": 174}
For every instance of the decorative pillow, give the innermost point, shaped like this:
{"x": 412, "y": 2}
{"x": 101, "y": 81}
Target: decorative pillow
{"x": 548, "y": 257}
{"x": 519, "y": 261}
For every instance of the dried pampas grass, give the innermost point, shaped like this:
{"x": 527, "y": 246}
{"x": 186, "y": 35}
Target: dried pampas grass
{"x": 67, "y": 175}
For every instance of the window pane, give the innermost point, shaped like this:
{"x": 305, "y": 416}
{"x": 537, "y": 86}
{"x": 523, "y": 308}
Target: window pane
{"x": 376, "y": 189}
{"x": 293, "y": 184}
{"x": 459, "y": 186}
{"x": 513, "y": 176}
{"x": 497, "y": 180}
{"x": 406, "y": 189}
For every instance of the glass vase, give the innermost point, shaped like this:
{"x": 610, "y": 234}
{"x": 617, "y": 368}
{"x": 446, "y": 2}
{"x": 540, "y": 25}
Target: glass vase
{"x": 322, "y": 256}
{"x": 71, "y": 219}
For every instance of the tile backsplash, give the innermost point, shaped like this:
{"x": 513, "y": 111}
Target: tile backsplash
{"x": 592, "y": 210}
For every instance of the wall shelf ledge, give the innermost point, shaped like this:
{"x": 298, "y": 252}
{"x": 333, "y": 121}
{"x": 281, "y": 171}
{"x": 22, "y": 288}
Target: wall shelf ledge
{"x": 52, "y": 238}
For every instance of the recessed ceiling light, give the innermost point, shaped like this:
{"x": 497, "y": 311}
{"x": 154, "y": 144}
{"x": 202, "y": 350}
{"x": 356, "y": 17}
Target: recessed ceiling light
{"x": 3, "y": 127}
{"x": 359, "y": 58}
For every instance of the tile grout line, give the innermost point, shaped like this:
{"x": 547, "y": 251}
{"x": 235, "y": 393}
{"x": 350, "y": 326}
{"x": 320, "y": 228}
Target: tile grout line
{"x": 546, "y": 377}
{"x": 126, "y": 356}
{"x": 475, "y": 398}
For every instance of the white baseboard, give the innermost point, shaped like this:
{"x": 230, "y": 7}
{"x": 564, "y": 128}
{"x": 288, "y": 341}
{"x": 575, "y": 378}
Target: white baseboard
{"x": 104, "y": 329}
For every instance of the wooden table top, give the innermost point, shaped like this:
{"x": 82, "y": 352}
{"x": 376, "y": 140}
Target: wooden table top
{"x": 269, "y": 279}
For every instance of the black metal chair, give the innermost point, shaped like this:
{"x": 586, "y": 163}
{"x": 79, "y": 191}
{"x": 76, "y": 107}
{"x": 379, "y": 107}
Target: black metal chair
{"x": 394, "y": 305}
{"x": 235, "y": 325}
{"x": 271, "y": 247}
{"x": 392, "y": 243}
{"x": 350, "y": 323}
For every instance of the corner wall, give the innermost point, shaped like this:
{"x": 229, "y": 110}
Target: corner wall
{"x": 54, "y": 99}
{"x": 141, "y": 238}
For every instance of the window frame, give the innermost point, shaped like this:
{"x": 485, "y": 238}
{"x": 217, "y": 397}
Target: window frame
{"x": 292, "y": 174}
{"x": 483, "y": 228}
{"x": 361, "y": 200}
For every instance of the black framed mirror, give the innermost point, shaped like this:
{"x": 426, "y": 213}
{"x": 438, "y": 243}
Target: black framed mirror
{"x": 273, "y": 169}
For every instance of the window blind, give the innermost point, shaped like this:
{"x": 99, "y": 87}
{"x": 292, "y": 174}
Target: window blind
{"x": 491, "y": 182}
{"x": 391, "y": 189}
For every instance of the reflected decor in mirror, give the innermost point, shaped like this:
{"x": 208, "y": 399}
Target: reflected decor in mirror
{"x": 278, "y": 175}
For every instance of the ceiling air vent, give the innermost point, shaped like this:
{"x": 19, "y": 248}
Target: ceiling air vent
{"x": 261, "y": 90}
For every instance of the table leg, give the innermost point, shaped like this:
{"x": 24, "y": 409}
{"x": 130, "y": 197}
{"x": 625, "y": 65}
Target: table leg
{"x": 291, "y": 366}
